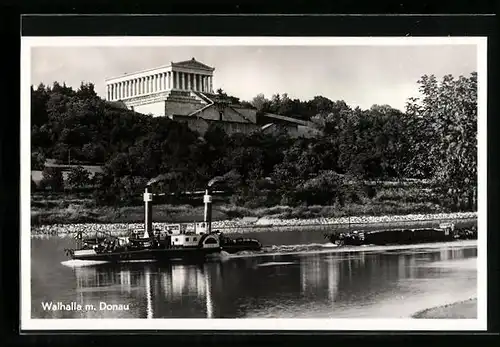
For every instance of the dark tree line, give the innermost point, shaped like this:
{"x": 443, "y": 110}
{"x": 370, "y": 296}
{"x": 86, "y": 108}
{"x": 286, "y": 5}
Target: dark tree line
{"x": 434, "y": 139}
{"x": 283, "y": 105}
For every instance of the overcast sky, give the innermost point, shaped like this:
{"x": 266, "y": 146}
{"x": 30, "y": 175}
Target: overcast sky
{"x": 360, "y": 75}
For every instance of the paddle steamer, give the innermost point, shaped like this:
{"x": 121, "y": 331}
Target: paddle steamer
{"x": 175, "y": 241}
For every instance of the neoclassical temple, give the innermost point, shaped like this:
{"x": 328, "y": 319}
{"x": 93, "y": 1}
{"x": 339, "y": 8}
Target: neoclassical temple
{"x": 185, "y": 75}
{"x": 182, "y": 91}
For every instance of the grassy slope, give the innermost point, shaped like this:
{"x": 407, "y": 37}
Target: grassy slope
{"x": 390, "y": 200}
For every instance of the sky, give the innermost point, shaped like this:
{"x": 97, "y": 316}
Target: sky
{"x": 359, "y": 75}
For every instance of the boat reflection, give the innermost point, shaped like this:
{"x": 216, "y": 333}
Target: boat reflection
{"x": 149, "y": 290}
{"x": 319, "y": 277}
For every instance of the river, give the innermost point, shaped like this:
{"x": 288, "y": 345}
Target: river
{"x": 302, "y": 277}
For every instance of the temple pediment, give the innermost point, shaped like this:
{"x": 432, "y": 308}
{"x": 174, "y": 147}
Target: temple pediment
{"x": 192, "y": 64}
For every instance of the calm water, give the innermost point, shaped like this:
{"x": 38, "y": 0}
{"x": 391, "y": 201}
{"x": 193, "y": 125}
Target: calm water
{"x": 317, "y": 282}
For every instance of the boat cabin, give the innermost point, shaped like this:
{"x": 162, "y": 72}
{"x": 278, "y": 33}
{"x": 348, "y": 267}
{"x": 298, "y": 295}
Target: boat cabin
{"x": 197, "y": 228}
{"x": 195, "y": 240}
{"x": 176, "y": 229}
{"x": 185, "y": 240}
{"x": 200, "y": 228}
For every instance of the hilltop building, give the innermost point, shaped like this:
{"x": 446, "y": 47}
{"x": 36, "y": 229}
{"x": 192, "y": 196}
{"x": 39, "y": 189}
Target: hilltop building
{"x": 274, "y": 123}
{"x": 183, "y": 91}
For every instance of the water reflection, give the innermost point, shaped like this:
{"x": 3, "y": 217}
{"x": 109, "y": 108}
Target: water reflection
{"x": 151, "y": 291}
{"x": 319, "y": 277}
{"x": 367, "y": 278}
{"x": 350, "y": 284}
{"x": 149, "y": 307}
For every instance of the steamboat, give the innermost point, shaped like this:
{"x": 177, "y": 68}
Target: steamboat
{"x": 174, "y": 242}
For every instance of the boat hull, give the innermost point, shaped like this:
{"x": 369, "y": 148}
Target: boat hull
{"x": 146, "y": 254}
{"x": 240, "y": 245}
{"x": 407, "y": 237}
{"x": 394, "y": 237}
{"x": 240, "y": 248}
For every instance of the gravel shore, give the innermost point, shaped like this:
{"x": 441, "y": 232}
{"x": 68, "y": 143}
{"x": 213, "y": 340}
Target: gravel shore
{"x": 266, "y": 224}
{"x": 460, "y": 310}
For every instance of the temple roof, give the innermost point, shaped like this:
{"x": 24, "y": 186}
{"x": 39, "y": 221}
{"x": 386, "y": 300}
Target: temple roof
{"x": 188, "y": 64}
{"x": 284, "y": 118}
{"x": 192, "y": 64}
{"x": 234, "y": 116}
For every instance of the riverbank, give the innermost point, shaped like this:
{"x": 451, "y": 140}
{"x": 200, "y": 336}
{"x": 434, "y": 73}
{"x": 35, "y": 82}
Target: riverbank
{"x": 390, "y": 199}
{"x": 459, "y": 310}
{"x": 245, "y": 225}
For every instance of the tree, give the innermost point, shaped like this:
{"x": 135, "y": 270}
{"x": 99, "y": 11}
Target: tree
{"x": 86, "y": 91}
{"x": 129, "y": 188}
{"x": 445, "y": 130}
{"x": 52, "y": 179}
{"x": 61, "y": 151}
{"x": 285, "y": 106}
{"x": 319, "y": 105}
{"x": 39, "y": 99}
{"x": 261, "y": 103}
{"x": 93, "y": 152}
{"x": 37, "y": 160}
{"x": 275, "y": 103}
{"x": 78, "y": 177}
{"x": 119, "y": 165}
{"x": 434, "y": 138}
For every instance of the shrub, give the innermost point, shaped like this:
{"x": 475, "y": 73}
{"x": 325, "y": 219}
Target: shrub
{"x": 37, "y": 161}
{"x": 328, "y": 188}
{"x": 370, "y": 191}
{"x": 78, "y": 177}
{"x": 52, "y": 179}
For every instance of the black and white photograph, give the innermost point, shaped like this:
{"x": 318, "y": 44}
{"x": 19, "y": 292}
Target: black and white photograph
{"x": 283, "y": 183}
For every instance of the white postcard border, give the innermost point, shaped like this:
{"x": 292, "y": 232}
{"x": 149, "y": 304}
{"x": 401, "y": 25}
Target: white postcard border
{"x": 28, "y": 323}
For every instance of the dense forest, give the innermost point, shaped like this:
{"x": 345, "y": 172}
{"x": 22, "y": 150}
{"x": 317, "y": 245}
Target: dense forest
{"x": 434, "y": 139}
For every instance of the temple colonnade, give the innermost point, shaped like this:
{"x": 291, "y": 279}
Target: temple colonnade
{"x": 158, "y": 82}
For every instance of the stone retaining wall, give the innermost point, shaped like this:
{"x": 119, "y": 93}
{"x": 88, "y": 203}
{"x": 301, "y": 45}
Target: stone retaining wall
{"x": 262, "y": 224}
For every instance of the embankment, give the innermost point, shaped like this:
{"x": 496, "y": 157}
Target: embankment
{"x": 459, "y": 310}
{"x": 242, "y": 225}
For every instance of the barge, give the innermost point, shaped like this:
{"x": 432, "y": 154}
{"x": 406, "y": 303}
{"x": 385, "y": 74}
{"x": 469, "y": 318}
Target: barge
{"x": 444, "y": 233}
{"x": 175, "y": 242}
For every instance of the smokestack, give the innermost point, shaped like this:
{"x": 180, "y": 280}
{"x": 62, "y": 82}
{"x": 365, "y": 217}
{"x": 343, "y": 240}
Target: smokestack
{"x": 207, "y": 200}
{"x": 148, "y": 212}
